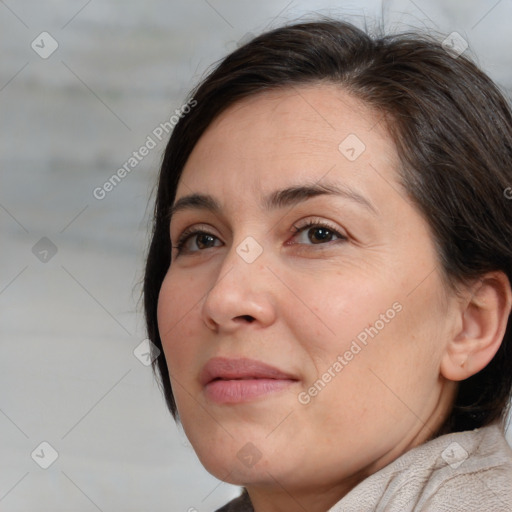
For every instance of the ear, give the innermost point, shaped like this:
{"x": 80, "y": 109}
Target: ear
{"x": 481, "y": 323}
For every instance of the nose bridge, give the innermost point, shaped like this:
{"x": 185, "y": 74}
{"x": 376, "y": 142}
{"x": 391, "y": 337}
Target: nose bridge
{"x": 243, "y": 264}
{"x": 245, "y": 257}
{"x": 241, "y": 288}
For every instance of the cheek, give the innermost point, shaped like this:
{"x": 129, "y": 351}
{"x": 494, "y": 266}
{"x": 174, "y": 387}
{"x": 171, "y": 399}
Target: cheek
{"x": 365, "y": 334}
{"x": 167, "y": 312}
{"x": 403, "y": 359}
{"x": 178, "y": 303}
{"x": 345, "y": 309}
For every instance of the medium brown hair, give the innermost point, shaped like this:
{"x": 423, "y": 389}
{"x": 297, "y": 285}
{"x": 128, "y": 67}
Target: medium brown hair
{"x": 453, "y": 131}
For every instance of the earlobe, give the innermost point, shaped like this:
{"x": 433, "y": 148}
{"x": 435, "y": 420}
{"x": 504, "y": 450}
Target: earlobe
{"x": 482, "y": 321}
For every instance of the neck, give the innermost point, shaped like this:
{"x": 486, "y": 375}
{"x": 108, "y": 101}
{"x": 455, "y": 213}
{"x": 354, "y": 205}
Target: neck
{"x": 281, "y": 499}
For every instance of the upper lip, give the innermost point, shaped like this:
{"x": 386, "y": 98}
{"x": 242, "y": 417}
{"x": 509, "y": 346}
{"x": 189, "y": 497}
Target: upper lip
{"x": 241, "y": 368}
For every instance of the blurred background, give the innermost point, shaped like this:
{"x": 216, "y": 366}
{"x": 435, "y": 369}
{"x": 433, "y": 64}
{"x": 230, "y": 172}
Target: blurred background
{"x": 83, "y": 83}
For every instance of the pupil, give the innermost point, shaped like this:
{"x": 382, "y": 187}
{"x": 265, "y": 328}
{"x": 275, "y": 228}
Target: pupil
{"x": 204, "y": 239}
{"x": 321, "y": 234}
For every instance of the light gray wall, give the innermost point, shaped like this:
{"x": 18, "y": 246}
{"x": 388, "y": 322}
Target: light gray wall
{"x": 70, "y": 321}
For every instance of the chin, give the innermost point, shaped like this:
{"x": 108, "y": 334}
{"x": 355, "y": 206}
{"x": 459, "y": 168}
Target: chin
{"x": 233, "y": 442}
{"x": 246, "y": 466}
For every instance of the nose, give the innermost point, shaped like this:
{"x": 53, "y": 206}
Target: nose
{"x": 241, "y": 294}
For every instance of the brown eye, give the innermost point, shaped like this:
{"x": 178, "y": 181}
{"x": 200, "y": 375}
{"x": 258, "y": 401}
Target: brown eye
{"x": 203, "y": 240}
{"x": 317, "y": 234}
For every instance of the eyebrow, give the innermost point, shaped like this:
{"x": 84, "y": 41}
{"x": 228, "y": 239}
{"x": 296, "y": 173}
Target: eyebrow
{"x": 278, "y": 199}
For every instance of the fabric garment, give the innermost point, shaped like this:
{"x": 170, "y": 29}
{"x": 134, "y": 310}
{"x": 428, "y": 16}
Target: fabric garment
{"x": 461, "y": 472}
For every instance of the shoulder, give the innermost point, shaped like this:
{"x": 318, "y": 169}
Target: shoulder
{"x": 469, "y": 471}
{"x": 486, "y": 490}
{"x": 478, "y": 479}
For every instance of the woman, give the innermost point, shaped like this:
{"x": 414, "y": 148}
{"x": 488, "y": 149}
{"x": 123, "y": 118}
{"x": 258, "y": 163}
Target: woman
{"x": 329, "y": 275}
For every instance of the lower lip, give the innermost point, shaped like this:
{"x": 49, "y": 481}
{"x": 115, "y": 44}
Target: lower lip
{"x": 243, "y": 390}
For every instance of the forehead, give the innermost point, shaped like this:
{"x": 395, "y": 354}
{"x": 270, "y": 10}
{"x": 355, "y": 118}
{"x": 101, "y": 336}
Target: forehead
{"x": 287, "y": 136}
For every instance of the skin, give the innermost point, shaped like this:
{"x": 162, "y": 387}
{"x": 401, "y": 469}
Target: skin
{"x": 302, "y": 302}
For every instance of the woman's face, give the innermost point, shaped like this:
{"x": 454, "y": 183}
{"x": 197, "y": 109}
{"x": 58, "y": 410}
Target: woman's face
{"x": 303, "y": 327}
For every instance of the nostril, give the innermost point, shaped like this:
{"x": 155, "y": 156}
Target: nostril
{"x": 249, "y": 318}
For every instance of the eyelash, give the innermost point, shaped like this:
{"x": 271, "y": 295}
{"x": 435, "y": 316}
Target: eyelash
{"x": 191, "y": 232}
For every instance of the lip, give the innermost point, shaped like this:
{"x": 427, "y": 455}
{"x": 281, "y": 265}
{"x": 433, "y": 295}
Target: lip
{"x": 239, "y": 380}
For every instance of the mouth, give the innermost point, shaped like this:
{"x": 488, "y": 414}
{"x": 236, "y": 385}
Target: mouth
{"x": 239, "y": 380}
